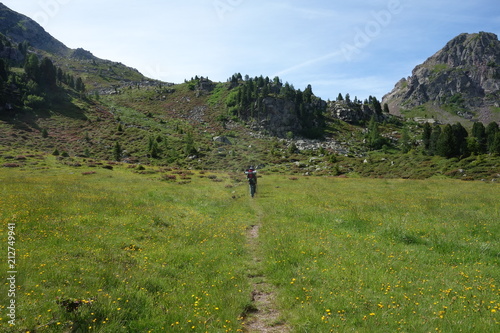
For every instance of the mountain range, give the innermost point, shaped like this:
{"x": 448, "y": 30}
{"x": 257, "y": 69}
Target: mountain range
{"x": 115, "y": 112}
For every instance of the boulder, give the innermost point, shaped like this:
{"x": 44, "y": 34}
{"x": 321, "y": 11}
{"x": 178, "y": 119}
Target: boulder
{"x": 222, "y": 139}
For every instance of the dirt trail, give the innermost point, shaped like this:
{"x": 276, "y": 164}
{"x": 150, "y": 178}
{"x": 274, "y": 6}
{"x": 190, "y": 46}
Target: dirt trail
{"x": 262, "y": 315}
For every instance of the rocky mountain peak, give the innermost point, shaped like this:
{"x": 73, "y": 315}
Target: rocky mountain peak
{"x": 464, "y": 73}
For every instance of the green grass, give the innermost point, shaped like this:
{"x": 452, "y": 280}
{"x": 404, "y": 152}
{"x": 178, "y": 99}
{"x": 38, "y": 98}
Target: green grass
{"x": 385, "y": 255}
{"x": 142, "y": 254}
{"x": 147, "y": 254}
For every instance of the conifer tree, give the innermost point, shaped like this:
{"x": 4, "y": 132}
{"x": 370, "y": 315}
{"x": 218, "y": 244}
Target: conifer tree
{"x": 405, "y": 141}
{"x": 47, "y": 73}
{"x": 79, "y": 85}
{"x": 445, "y": 144}
{"x": 32, "y": 67}
{"x": 117, "y": 151}
{"x": 373, "y": 137}
{"x": 433, "y": 144}
{"x": 459, "y": 140}
{"x": 491, "y": 130}
{"x": 495, "y": 146}
{"x": 426, "y": 136}
{"x": 479, "y": 135}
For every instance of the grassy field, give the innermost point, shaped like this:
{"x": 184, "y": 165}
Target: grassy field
{"x": 101, "y": 250}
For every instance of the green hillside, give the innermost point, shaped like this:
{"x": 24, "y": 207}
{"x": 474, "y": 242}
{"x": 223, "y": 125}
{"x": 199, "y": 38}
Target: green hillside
{"x": 69, "y": 103}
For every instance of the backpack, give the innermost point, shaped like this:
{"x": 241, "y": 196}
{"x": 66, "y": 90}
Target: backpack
{"x": 250, "y": 174}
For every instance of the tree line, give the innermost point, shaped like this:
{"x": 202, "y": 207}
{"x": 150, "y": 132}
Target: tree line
{"x": 247, "y": 99}
{"x": 455, "y": 141}
{"x": 371, "y": 101}
{"x": 34, "y": 87}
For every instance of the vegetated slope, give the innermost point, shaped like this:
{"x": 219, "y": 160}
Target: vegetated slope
{"x": 461, "y": 82}
{"x": 76, "y": 105}
{"x": 96, "y": 73}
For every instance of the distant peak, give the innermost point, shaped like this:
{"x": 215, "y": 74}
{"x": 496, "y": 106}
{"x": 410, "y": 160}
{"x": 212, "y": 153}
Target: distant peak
{"x": 82, "y": 54}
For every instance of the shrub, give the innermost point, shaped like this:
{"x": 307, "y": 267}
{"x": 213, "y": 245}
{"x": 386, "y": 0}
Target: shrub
{"x": 169, "y": 177}
{"x": 34, "y": 102}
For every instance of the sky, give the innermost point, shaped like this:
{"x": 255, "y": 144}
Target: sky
{"x": 356, "y": 47}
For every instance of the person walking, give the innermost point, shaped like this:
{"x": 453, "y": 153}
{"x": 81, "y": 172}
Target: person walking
{"x": 251, "y": 174}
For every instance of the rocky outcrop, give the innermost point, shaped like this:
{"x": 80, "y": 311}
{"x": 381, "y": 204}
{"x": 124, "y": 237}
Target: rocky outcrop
{"x": 466, "y": 73}
{"x": 82, "y": 54}
{"x": 281, "y": 117}
{"x": 222, "y": 139}
{"x": 353, "y": 113}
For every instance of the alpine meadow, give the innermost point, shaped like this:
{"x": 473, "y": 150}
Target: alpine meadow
{"x": 126, "y": 251}
{"x": 125, "y": 203}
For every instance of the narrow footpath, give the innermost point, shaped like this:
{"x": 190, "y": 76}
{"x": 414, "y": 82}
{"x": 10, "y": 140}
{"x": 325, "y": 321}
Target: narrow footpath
{"x": 262, "y": 316}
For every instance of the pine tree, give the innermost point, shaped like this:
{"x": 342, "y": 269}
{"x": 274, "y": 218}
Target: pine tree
{"x": 433, "y": 144}
{"x": 479, "y": 135}
{"x": 47, "y": 73}
{"x": 307, "y": 94}
{"x": 495, "y": 147}
{"x": 459, "y": 140}
{"x": 426, "y": 136}
{"x": 79, "y": 85}
{"x": 154, "y": 151}
{"x": 373, "y": 137}
{"x": 4, "y": 72}
{"x": 376, "y": 105}
{"x": 189, "y": 148}
{"x": 117, "y": 151}
{"x": 491, "y": 130}
{"x": 445, "y": 144}
{"x": 405, "y": 141}
{"x": 32, "y": 67}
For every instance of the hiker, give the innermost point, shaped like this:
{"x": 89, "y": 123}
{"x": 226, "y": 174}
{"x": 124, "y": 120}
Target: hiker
{"x": 251, "y": 174}
{"x": 252, "y": 179}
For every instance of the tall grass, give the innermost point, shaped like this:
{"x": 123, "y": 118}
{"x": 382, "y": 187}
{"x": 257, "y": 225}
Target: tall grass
{"x": 117, "y": 251}
{"x": 384, "y": 256}
{"x": 133, "y": 253}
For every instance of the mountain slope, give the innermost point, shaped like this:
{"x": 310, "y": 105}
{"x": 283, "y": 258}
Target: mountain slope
{"x": 460, "y": 81}
{"x": 97, "y": 74}
{"x": 21, "y": 28}
{"x": 123, "y": 116}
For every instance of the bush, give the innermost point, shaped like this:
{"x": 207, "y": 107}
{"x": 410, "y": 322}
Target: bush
{"x": 34, "y": 101}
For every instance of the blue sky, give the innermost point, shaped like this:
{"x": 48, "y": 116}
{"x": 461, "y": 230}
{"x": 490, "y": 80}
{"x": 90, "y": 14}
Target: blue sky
{"x": 358, "y": 47}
